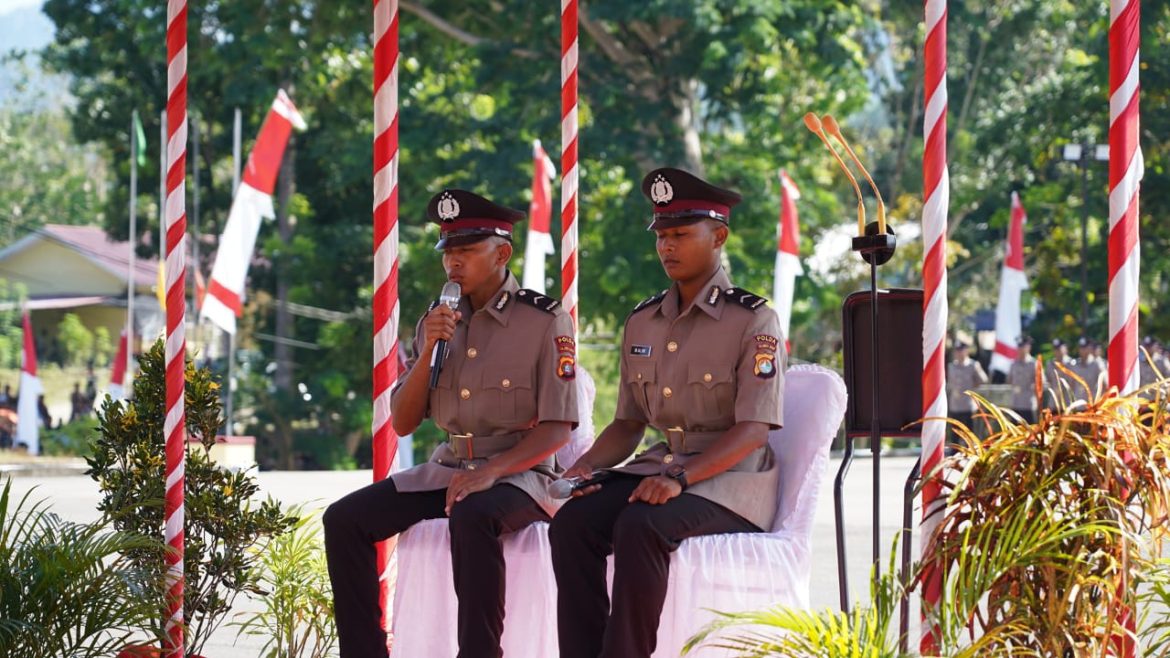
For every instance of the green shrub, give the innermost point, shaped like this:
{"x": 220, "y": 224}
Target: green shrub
{"x": 297, "y": 618}
{"x": 222, "y": 522}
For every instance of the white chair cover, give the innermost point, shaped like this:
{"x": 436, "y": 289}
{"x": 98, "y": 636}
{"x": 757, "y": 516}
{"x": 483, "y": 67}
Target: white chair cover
{"x": 717, "y": 572}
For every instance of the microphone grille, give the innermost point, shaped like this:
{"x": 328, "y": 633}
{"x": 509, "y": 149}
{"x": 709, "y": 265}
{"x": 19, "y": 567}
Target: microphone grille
{"x": 560, "y": 489}
{"x": 450, "y": 294}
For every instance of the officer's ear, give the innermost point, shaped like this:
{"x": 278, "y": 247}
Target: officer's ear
{"x": 720, "y": 231}
{"x": 503, "y": 252}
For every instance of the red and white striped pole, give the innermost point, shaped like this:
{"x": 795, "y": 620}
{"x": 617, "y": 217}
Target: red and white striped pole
{"x": 569, "y": 172}
{"x": 385, "y": 253}
{"x": 175, "y": 425}
{"x": 936, "y": 193}
{"x": 1125, "y": 174}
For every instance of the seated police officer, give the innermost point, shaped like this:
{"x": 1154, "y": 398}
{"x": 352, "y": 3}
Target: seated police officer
{"x": 507, "y": 400}
{"x": 702, "y": 363}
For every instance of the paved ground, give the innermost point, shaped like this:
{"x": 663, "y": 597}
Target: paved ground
{"x": 74, "y": 497}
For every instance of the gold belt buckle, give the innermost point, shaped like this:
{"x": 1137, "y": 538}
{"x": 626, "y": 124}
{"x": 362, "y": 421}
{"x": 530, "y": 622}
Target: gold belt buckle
{"x": 470, "y": 444}
{"x": 671, "y": 434}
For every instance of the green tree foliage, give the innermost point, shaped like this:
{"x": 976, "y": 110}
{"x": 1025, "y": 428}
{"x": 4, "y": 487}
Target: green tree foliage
{"x": 12, "y": 295}
{"x": 75, "y": 339}
{"x": 49, "y": 176}
{"x": 717, "y": 86}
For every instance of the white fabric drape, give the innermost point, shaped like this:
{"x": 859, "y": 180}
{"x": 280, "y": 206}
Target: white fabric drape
{"x": 717, "y": 572}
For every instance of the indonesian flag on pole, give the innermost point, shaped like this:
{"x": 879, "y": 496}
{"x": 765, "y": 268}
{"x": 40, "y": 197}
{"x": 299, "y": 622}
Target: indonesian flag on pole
{"x": 225, "y": 292}
{"x": 30, "y": 392}
{"x": 787, "y": 253}
{"x": 540, "y": 242}
{"x": 1012, "y": 282}
{"x": 118, "y": 371}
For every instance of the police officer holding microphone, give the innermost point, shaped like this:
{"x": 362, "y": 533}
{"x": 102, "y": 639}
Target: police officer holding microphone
{"x": 505, "y": 395}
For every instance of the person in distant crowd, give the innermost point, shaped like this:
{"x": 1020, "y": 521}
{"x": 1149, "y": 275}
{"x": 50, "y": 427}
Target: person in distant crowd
{"x": 6, "y": 397}
{"x": 43, "y": 413}
{"x": 1022, "y": 378}
{"x": 1089, "y": 367}
{"x": 963, "y": 374}
{"x": 1102, "y": 359}
{"x": 78, "y": 403}
{"x": 90, "y": 388}
{"x": 1155, "y": 367}
{"x": 1055, "y": 379}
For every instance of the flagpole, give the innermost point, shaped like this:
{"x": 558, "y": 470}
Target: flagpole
{"x": 194, "y": 119}
{"x": 130, "y": 279}
{"x": 161, "y": 293}
{"x": 229, "y": 389}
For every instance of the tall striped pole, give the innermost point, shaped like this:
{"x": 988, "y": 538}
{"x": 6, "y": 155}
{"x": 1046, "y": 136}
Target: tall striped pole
{"x": 936, "y": 192}
{"x": 385, "y": 253}
{"x": 175, "y": 425}
{"x": 569, "y": 171}
{"x": 1125, "y": 173}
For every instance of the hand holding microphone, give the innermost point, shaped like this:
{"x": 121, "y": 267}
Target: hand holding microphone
{"x": 440, "y": 322}
{"x": 580, "y": 477}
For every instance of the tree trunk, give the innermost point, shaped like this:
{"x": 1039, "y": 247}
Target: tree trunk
{"x": 688, "y": 122}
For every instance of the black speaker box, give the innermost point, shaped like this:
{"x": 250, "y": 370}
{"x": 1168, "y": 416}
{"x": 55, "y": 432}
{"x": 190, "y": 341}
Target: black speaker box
{"x": 899, "y": 364}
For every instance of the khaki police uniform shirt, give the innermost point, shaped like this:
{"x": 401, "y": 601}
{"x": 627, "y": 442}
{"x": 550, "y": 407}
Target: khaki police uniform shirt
{"x": 1022, "y": 377}
{"x": 702, "y": 370}
{"x": 1148, "y": 373}
{"x": 963, "y": 377}
{"x": 510, "y": 366}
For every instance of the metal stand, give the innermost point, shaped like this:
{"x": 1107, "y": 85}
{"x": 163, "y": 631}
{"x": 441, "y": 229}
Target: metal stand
{"x": 876, "y": 249}
{"x": 907, "y": 534}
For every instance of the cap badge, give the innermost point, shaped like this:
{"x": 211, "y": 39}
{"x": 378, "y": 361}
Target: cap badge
{"x": 448, "y": 207}
{"x": 660, "y": 191}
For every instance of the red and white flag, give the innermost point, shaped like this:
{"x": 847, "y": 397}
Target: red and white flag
{"x": 787, "y": 253}
{"x": 117, "y": 388}
{"x": 28, "y": 414}
{"x": 253, "y": 202}
{"x": 540, "y": 242}
{"x": 1012, "y": 282}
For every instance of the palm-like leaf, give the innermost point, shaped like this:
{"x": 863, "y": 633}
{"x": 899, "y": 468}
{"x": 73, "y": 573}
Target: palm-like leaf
{"x": 65, "y": 588}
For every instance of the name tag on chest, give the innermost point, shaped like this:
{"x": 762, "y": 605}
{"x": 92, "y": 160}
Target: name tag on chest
{"x": 639, "y": 350}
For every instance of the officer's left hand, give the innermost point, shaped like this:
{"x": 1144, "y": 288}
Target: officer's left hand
{"x": 466, "y": 483}
{"x": 656, "y": 490}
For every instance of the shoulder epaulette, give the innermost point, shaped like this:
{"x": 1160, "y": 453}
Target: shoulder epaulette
{"x": 537, "y": 300}
{"x": 750, "y": 301}
{"x": 649, "y": 301}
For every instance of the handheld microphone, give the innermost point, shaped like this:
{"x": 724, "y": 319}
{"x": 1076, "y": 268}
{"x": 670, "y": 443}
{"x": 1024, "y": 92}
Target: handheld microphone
{"x": 564, "y": 488}
{"x": 834, "y": 129}
{"x": 814, "y": 124}
{"x": 449, "y": 298}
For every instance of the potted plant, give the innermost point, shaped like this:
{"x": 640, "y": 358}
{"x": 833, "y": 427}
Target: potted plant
{"x": 222, "y": 524}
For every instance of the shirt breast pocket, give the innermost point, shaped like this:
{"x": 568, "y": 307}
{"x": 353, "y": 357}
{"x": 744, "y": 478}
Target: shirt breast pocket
{"x": 443, "y": 400}
{"x": 710, "y": 395}
{"x": 641, "y": 377}
{"x": 509, "y": 397}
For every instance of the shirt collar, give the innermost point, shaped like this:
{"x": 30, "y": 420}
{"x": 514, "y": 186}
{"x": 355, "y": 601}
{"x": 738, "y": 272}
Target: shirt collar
{"x": 708, "y": 300}
{"x": 500, "y": 307}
